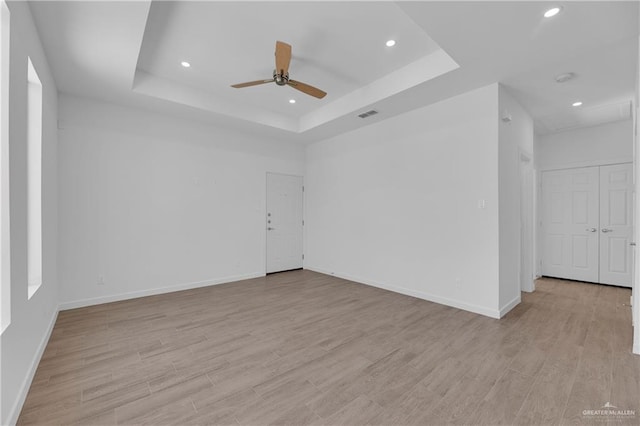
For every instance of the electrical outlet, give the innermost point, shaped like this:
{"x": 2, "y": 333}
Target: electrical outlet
{"x": 100, "y": 281}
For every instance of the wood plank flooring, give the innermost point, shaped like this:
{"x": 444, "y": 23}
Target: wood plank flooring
{"x": 303, "y": 348}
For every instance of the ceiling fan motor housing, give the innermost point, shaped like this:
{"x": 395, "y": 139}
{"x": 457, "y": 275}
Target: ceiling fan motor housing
{"x": 280, "y": 78}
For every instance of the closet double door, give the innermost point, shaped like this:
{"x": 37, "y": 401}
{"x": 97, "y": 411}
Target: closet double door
{"x": 587, "y": 224}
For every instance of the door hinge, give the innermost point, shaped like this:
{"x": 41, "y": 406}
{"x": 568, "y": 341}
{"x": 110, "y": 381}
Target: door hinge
{"x": 302, "y": 188}
{"x": 303, "y": 222}
{"x": 303, "y": 257}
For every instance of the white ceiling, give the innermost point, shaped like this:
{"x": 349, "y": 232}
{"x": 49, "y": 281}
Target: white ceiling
{"x": 604, "y": 78}
{"x": 129, "y": 53}
{"x": 337, "y": 46}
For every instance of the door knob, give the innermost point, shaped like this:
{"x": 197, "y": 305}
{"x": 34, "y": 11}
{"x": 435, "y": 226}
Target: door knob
{"x": 270, "y": 229}
{"x": 591, "y": 229}
{"x": 605, "y": 230}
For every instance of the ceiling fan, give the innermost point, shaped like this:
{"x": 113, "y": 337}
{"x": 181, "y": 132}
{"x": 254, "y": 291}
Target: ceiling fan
{"x": 281, "y": 74}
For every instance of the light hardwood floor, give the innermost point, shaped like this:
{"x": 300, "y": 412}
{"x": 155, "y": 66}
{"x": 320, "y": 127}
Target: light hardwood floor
{"x": 305, "y": 348}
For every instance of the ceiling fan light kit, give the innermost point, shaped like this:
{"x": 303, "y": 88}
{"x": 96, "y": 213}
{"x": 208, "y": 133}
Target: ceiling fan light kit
{"x": 281, "y": 74}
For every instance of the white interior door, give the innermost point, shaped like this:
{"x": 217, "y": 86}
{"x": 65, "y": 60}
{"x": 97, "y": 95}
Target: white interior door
{"x": 616, "y": 227}
{"x": 284, "y": 222}
{"x": 570, "y": 222}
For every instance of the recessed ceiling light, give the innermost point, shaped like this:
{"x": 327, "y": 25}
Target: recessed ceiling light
{"x": 185, "y": 64}
{"x": 292, "y": 101}
{"x": 390, "y": 43}
{"x": 552, "y": 12}
{"x": 578, "y": 103}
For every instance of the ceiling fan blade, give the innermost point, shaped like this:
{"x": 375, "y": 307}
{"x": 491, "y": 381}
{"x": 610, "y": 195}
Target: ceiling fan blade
{"x": 305, "y": 88}
{"x": 251, "y": 83}
{"x": 283, "y": 57}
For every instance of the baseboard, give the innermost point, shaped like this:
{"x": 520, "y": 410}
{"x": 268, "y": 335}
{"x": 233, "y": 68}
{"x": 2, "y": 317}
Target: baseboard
{"x": 636, "y": 348}
{"x": 154, "y": 291}
{"x": 492, "y": 313}
{"x": 509, "y": 306}
{"x": 26, "y": 385}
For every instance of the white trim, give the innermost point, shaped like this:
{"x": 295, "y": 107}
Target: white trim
{"x": 636, "y": 349}
{"x": 151, "y": 292}
{"x": 590, "y": 163}
{"x": 537, "y": 231}
{"x": 509, "y": 306}
{"x": 492, "y": 313}
{"x": 528, "y": 284}
{"x": 12, "y": 419}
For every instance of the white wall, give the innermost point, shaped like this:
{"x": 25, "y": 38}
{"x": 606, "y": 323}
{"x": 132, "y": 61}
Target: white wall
{"x": 515, "y": 137}
{"x": 395, "y": 204}
{"x": 5, "y": 230}
{"x": 590, "y": 146}
{"x": 27, "y": 334}
{"x": 150, "y": 203}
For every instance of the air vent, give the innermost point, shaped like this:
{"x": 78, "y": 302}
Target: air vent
{"x": 563, "y": 78}
{"x": 367, "y": 114}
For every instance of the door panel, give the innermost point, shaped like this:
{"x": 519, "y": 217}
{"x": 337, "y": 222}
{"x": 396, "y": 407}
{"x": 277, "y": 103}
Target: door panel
{"x": 284, "y": 222}
{"x": 570, "y": 220}
{"x": 616, "y": 227}
{"x": 556, "y": 245}
{"x": 580, "y": 251}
